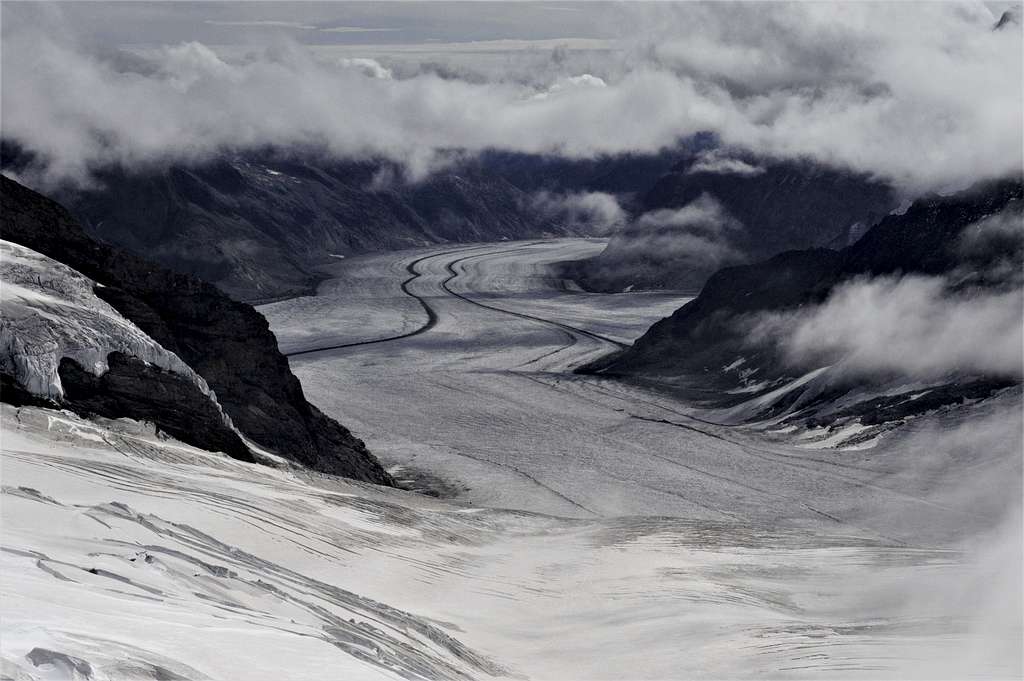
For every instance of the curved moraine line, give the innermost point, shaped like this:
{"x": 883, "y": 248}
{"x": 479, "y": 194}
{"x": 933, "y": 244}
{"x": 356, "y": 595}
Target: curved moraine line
{"x": 432, "y": 318}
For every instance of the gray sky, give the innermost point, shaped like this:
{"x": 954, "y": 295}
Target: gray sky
{"x": 332, "y": 23}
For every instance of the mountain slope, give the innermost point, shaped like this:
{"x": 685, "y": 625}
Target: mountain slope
{"x": 958, "y": 254}
{"x": 259, "y": 224}
{"x": 227, "y": 343}
{"x": 257, "y": 227}
{"x": 718, "y": 208}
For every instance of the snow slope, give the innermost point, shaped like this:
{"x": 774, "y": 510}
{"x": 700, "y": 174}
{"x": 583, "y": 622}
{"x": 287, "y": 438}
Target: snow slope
{"x": 126, "y": 556}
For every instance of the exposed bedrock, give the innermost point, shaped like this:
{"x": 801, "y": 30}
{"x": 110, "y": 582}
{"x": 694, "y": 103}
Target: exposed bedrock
{"x": 226, "y": 342}
{"x": 171, "y": 402}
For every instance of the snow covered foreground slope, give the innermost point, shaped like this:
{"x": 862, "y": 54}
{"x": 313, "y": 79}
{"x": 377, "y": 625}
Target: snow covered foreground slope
{"x": 49, "y": 311}
{"x": 128, "y": 556}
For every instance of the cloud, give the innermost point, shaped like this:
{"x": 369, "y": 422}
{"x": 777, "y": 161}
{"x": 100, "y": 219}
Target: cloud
{"x": 926, "y": 96}
{"x": 992, "y": 250}
{"x": 967, "y": 467}
{"x": 573, "y": 82}
{"x": 369, "y": 67}
{"x": 695, "y": 236}
{"x": 595, "y": 213}
{"x": 718, "y": 162}
{"x": 1003, "y": 231}
{"x": 911, "y": 326}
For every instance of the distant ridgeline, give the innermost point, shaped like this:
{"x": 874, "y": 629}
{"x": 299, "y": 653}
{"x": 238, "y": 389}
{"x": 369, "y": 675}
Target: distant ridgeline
{"x": 101, "y": 331}
{"x": 258, "y": 224}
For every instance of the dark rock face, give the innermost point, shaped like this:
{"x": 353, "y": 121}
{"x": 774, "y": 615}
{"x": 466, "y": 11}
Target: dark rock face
{"x": 701, "y": 337}
{"x": 888, "y": 408}
{"x": 628, "y": 176}
{"x": 704, "y": 335}
{"x": 226, "y": 342}
{"x": 925, "y": 238}
{"x": 780, "y": 205}
{"x": 788, "y": 203}
{"x": 172, "y": 403}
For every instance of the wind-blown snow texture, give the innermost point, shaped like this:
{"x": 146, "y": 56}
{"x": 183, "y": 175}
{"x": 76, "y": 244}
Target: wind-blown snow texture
{"x": 126, "y": 557}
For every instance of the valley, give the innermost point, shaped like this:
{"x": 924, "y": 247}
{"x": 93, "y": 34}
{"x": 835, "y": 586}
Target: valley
{"x": 461, "y": 341}
{"x": 589, "y": 529}
{"x": 480, "y": 393}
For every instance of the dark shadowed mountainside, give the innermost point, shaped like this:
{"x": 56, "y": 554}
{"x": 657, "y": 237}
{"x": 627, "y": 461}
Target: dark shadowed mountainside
{"x": 226, "y": 342}
{"x": 130, "y": 387}
{"x": 258, "y": 225}
{"x": 760, "y": 208}
{"x": 711, "y": 341}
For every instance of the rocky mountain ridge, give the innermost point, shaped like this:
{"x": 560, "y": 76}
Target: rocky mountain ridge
{"x": 225, "y": 342}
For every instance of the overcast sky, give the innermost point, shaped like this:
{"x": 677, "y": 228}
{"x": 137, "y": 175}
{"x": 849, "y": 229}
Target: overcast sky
{"x": 332, "y": 23}
{"x": 926, "y": 96}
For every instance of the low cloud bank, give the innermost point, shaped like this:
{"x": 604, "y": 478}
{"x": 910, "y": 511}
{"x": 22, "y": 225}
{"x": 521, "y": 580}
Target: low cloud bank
{"x": 719, "y": 162}
{"x": 596, "y": 213}
{"x": 967, "y": 469}
{"x": 695, "y": 235}
{"x": 911, "y": 326}
{"x": 667, "y": 248}
{"x": 993, "y": 249}
{"x": 925, "y": 96}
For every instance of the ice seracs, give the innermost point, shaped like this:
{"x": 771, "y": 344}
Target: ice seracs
{"x": 49, "y": 311}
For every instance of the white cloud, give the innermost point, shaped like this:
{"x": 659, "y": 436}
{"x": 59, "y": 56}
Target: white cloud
{"x": 571, "y": 83}
{"x": 992, "y": 249}
{"x": 717, "y": 162}
{"x": 696, "y": 235}
{"x": 597, "y": 213}
{"x": 1003, "y": 230}
{"x": 369, "y": 67}
{"x": 927, "y": 96}
{"x": 910, "y": 326}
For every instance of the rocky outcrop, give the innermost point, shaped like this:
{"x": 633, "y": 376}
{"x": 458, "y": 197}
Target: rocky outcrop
{"x": 228, "y": 343}
{"x": 131, "y": 387}
{"x": 60, "y": 345}
{"x": 50, "y": 311}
